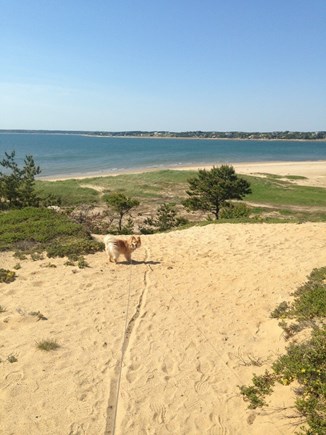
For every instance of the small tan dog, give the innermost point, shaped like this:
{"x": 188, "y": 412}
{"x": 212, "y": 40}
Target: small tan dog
{"x": 115, "y": 247}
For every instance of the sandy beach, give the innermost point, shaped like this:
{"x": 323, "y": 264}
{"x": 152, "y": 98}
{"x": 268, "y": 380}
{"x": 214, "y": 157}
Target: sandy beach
{"x": 199, "y": 309}
{"x": 160, "y": 346}
{"x": 314, "y": 171}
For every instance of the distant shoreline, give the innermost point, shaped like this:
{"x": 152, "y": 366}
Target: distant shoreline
{"x": 174, "y": 135}
{"x": 207, "y": 138}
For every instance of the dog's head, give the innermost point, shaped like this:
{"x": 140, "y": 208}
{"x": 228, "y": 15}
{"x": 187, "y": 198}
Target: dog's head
{"x": 134, "y": 242}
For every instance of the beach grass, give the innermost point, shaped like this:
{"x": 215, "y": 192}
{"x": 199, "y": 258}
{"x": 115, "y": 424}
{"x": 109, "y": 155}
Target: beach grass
{"x": 282, "y": 192}
{"x": 151, "y": 186}
{"x": 154, "y": 188}
{"x": 47, "y": 345}
{"x": 70, "y": 191}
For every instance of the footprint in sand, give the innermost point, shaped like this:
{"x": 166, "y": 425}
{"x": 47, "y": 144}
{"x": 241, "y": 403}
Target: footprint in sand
{"x": 76, "y": 429}
{"x": 192, "y": 404}
{"x": 202, "y": 386}
{"x": 221, "y": 429}
{"x": 159, "y": 411}
{"x": 131, "y": 376}
{"x": 13, "y": 378}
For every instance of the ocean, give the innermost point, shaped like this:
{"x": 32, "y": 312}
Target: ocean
{"x": 70, "y": 154}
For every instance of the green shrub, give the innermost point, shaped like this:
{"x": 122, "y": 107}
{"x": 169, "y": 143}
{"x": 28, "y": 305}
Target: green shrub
{"x": 31, "y": 230}
{"x": 234, "y": 211}
{"x": 304, "y": 363}
{"x": 82, "y": 263}
{"x": 17, "y": 188}
{"x": 280, "y": 311}
{"x": 166, "y": 218}
{"x": 121, "y": 205}
{"x": 255, "y": 394}
{"x": 73, "y": 248}
{"x": 7, "y": 276}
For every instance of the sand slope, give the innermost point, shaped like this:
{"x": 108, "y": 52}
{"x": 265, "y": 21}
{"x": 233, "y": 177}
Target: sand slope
{"x": 199, "y": 307}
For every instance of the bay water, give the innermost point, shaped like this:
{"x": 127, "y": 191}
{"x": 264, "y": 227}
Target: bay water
{"x": 77, "y": 155}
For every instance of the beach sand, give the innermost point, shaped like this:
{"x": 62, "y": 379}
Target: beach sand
{"x": 198, "y": 312}
{"x": 315, "y": 172}
{"x": 162, "y": 345}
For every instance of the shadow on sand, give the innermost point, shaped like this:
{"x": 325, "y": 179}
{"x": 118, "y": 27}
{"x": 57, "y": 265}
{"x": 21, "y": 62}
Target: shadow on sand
{"x": 135, "y": 263}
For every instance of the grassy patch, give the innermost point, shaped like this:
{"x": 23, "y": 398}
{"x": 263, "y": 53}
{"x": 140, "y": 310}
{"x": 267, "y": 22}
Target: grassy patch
{"x": 35, "y": 230}
{"x": 157, "y": 187}
{"x": 280, "y": 192}
{"x": 305, "y": 362}
{"x": 69, "y": 191}
{"x": 147, "y": 186}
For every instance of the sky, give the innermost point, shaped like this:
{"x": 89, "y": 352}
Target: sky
{"x": 174, "y": 65}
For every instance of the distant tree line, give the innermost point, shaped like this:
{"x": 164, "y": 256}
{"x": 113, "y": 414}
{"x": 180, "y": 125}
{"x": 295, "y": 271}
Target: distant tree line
{"x": 276, "y": 135}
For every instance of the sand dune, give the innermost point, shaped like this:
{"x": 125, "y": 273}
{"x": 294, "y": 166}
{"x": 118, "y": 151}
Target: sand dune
{"x": 199, "y": 308}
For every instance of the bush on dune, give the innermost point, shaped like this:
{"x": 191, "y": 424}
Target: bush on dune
{"x": 304, "y": 362}
{"x": 36, "y": 229}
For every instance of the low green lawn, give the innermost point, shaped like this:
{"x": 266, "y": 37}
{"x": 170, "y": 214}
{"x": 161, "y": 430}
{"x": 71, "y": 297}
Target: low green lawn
{"x": 278, "y": 192}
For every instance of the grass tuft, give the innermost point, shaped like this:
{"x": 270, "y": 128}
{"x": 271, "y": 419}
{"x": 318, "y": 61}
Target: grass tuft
{"x": 38, "y": 314}
{"x": 47, "y": 345}
{"x": 12, "y": 359}
{"x": 7, "y": 276}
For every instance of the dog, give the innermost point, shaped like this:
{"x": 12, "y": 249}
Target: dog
{"x": 114, "y": 247}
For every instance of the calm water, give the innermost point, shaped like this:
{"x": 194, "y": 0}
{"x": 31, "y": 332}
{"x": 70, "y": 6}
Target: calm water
{"x": 60, "y": 154}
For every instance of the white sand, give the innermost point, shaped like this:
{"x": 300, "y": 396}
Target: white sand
{"x": 200, "y": 304}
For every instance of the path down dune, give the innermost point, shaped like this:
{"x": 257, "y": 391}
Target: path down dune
{"x": 198, "y": 312}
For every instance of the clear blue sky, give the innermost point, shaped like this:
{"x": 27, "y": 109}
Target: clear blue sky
{"x": 250, "y": 65}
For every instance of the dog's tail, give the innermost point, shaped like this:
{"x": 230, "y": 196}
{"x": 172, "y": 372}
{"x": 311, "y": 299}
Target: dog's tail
{"x": 109, "y": 239}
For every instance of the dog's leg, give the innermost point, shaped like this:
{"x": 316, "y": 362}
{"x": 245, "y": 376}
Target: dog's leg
{"x": 128, "y": 258}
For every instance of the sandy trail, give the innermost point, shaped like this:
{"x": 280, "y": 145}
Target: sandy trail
{"x": 199, "y": 309}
